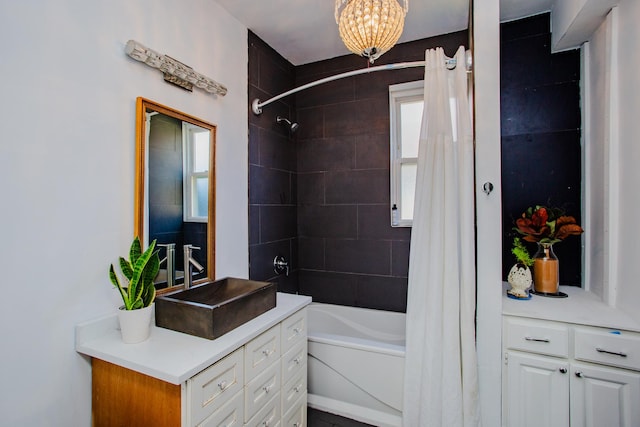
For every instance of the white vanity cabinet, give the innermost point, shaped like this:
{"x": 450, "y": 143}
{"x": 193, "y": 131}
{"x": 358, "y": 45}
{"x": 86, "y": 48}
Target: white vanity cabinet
{"x": 564, "y": 374}
{"x": 261, "y": 380}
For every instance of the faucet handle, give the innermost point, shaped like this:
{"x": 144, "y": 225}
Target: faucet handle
{"x": 280, "y": 265}
{"x": 190, "y": 246}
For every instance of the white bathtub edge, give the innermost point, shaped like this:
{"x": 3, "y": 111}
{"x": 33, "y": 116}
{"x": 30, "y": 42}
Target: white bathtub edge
{"x": 358, "y": 413}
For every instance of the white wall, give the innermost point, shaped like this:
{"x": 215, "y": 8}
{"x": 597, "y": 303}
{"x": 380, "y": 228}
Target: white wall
{"x": 612, "y": 176}
{"x": 67, "y": 107}
{"x": 628, "y": 267}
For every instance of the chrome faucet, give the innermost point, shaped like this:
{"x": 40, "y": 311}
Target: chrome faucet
{"x": 189, "y": 263}
{"x": 171, "y": 263}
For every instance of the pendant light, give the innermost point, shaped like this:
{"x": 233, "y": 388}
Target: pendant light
{"x": 370, "y": 27}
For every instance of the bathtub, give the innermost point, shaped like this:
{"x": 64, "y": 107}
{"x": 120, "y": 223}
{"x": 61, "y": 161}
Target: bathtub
{"x": 356, "y": 363}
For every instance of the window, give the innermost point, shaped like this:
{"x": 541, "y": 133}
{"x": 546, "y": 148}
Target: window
{"x": 196, "y": 172}
{"x": 406, "y": 102}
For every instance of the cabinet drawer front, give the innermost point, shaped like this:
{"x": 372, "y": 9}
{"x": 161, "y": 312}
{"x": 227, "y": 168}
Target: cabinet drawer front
{"x": 293, "y": 389}
{"x": 297, "y": 415}
{"x": 268, "y": 416}
{"x": 261, "y": 352}
{"x": 537, "y": 337}
{"x": 261, "y": 389}
{"x": 294, "y": 330}
{"x": 229, "y": 415}
{"x": 294, "y": 360}
{"x": 214, "y": 386}
{"x": 603, "y": 346}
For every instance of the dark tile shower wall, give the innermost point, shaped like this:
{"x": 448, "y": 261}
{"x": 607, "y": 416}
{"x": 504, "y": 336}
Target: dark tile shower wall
{"x": 272, "y": 168}
{"x": 540, "y": 121}
{"x": 348, "y": 252}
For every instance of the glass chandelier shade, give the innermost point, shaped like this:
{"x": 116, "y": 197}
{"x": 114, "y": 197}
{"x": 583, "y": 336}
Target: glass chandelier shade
{"x": 370, "y": 27}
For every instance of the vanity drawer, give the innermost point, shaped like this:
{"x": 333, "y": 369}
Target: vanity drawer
{"x": 293, "y": 389}
{"x": 228, "y": 415}
{"x": 614, "y": 348}
{"x": 211, "y": 388}
{"x": 537, "y": 336}
{"x": 294, "y": 360}
{"x": 268, "y": 416}
{"x": 294, "y": 330}
{"x": 261, "y": 389}
{"x": 261, "y": 352}
{"x": 297, "y": 415}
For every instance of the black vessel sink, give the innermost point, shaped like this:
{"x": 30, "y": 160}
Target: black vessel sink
{"x": 212, "y": 309}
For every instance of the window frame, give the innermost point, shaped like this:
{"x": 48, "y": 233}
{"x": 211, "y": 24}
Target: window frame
{"x": 189, "y": 176}
{"x": 399, "y": 94}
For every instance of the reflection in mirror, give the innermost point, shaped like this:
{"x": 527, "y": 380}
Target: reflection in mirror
{"x": 175, "y": 191}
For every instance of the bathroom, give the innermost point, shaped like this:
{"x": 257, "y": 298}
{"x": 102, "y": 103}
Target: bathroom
{"x": 72, "y": 200}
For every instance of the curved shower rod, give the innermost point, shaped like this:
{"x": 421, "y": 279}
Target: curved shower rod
{"x": 256, "y": 105}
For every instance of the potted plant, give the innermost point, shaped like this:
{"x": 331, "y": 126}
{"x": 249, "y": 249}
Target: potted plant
{"x": 137, "y": 291}
{"x": 520, "y": 275}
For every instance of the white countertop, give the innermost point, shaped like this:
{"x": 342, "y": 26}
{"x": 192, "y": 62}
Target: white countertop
{"x": 173, "y": 356}
{"x": 580, "y": 307}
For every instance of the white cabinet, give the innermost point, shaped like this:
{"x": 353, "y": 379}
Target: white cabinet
{"x": 263, "y": 383}
{"x": 554, "y": 375}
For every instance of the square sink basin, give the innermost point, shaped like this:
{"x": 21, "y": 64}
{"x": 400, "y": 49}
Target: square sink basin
{"x": 212, "y": 309}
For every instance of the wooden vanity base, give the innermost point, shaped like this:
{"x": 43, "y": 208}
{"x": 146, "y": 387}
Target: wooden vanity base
{"x": 122, "y": 397}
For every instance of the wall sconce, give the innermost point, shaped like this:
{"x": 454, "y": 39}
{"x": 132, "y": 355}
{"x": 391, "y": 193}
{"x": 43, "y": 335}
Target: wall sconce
{"x": 174, "y": 71}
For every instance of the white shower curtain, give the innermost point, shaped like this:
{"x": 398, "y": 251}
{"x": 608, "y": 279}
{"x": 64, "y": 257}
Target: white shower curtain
{"x": 441, "y": 384}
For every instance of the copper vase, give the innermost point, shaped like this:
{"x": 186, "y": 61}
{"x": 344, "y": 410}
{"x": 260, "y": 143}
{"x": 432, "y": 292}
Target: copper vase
{"x": 545, "y": 270}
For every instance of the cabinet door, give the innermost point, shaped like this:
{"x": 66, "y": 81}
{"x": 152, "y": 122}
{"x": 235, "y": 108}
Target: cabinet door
{"x": 604, "y": 396}
{"x": 537, "y": 391}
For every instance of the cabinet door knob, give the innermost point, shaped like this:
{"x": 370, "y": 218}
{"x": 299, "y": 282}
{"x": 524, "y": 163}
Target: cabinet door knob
{"x": 578, "y": 374}
{"x": 222, "y": 385}
{"x": 563, "y": 370}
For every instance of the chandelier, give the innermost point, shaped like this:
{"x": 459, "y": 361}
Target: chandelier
{"x": 370, "y": 27}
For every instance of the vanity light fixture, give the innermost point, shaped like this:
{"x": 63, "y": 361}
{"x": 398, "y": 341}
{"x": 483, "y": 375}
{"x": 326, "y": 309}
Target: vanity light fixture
{"x": 174, "y": 71}
{"x": 370, "y": 27}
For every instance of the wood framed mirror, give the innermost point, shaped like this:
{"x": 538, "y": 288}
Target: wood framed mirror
{"x": 175, "y": 189}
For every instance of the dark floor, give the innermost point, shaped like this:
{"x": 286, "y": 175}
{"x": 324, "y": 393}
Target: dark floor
{"x": 317, "y": 418}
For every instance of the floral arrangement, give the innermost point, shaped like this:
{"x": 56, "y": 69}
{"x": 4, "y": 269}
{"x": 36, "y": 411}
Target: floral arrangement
{"x": 546, "y": 225}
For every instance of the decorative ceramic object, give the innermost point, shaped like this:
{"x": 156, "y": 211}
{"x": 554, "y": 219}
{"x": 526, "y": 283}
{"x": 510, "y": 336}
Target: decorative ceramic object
{"x": 520, "y": 280}
{"x": 135, "y": 325}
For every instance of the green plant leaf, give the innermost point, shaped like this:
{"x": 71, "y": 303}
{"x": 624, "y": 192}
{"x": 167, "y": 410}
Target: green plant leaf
{"x": 126, "y": 268}
{"x": 116, "y": 283}
{"x": 135, "y": 250}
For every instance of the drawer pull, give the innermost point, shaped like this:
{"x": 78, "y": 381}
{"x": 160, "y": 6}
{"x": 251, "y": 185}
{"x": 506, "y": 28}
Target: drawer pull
{"x": 615, "y": 353}
{"x": 296, "y": 389}
{"x": 296, "y": 360}
{"x": 296, "y": 330}
{"x": 265, "y": 423}
{"x": 222, "y": 385}
{"x": 563, "y": 370}
{"x": 267, "y": 353}
{"x": 537, "y": 339}
{"x": 296, "y": 425}
{"x": 266, "y": 389}
{"x": 579, "y": 374}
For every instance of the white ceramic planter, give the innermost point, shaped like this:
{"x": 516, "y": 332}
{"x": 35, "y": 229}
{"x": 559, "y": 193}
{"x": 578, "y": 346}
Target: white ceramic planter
{"x": 135, "y": 325}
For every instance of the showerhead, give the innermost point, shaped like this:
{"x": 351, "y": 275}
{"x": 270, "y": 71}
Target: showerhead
{"x": 292, "y": 126}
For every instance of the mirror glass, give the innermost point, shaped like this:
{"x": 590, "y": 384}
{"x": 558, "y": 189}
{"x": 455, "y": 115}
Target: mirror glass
{"x": 175, "y": 190}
